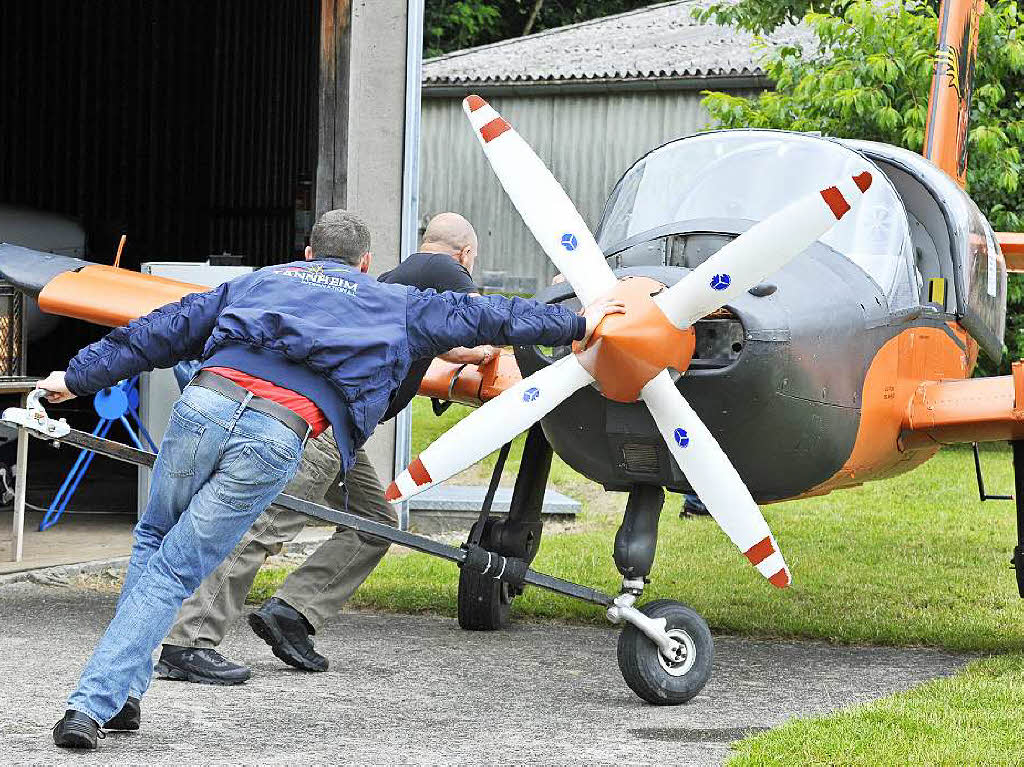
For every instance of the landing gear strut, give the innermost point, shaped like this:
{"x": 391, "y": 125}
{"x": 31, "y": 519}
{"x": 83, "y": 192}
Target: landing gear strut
{"x": 484, "y": 602}
{"x": 665, "y": 651}
{"x": 1018, "y": 494}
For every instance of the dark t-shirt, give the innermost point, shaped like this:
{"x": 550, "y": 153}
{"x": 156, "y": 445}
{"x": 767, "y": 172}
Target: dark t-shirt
{"x": 424, "y": 271}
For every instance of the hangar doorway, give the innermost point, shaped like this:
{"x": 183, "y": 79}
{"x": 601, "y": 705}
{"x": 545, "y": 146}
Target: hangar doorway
{"x": 190, "y": 125}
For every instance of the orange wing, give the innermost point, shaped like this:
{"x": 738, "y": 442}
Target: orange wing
{"x": 106, "y": 295}
{"x": 970, "y": 410}
{"x": 1012, "y": 245}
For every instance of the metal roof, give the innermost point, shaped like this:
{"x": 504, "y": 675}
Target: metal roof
{"x": 657, "y": 42}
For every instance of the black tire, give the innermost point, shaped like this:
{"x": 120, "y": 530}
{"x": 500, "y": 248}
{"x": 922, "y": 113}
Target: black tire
{"x": 646, "y": 671}
{"x": 484, "y": 602}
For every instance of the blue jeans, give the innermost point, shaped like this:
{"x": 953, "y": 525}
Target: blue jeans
{"x": 220, "y": 465}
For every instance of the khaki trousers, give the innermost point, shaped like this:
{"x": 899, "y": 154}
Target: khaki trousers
{"x": 325, "y": 581}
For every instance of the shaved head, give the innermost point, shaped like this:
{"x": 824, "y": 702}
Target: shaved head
{"x": 449, "y": 232}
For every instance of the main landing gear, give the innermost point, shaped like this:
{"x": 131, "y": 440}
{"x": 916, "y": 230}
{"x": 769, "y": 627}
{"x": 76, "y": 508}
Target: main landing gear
{"x": 665, "y": 650}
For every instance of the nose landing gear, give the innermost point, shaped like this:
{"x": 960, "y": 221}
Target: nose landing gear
{"x": 665, "y": 650}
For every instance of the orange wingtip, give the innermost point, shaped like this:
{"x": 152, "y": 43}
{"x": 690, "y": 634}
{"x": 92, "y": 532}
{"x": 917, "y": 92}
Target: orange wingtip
{"x": 392, "y": 493}
{"x": 474, "y": 102}
{"x": 780, "y": 580}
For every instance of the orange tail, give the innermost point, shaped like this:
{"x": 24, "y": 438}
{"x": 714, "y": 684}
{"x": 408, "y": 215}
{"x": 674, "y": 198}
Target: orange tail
{"x": 949, "y": 104}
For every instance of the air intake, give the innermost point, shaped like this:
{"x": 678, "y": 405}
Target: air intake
{"x": 640, "y": 458}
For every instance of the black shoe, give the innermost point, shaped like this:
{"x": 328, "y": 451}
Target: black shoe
{"x": 693, "y": 508}
{"x": 287, "y": 632}
{"x": 128, "y": 718}
{"x": 203, "y": 665}
{"x": 76, "y": 730}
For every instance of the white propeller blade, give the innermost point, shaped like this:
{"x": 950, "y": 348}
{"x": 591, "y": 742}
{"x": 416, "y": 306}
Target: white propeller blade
{"x": 713, "y": 478}
{"x": 542, "y": 203}
{"x": 761, "y": 250}
{"x": 489, "y": 427}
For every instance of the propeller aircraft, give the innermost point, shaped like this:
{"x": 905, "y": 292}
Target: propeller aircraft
{"x": 803, "y": 315}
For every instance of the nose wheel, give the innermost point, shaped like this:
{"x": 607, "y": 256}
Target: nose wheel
{"x": 675, "y": 676}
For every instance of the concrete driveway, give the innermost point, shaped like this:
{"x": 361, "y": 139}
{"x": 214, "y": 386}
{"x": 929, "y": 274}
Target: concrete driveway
{"x": 417, "y": 690}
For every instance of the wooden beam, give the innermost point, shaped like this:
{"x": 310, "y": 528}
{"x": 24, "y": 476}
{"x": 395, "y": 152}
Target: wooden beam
{"x": 332, "y": 151}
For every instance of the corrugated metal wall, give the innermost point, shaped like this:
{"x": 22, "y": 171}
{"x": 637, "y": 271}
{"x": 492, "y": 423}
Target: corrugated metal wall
{"x": 586, "y": 140}
{"x": 189, "y": 124}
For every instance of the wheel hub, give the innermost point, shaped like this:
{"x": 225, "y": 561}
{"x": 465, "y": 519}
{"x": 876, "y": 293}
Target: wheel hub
{"x": 686, "y": 654}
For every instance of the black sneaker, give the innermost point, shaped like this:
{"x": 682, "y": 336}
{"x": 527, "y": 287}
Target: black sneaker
{"x": 693, "y": 507}
{"x": 202, "y": 665}
{"x": 76, "y": 730}
{"x": 128, "y": 718}
{"x": 287, "y": 632}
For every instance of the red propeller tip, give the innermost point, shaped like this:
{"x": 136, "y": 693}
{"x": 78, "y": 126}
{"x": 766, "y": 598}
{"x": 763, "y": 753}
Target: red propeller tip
{"x": 474, "y": 102}
{"x": 760, "y": 551}
{"x": 419, "y": 473}
{"x": 392, "y": 493}
{"x": 780, "y": 580}
{"x": 863, "y": 181}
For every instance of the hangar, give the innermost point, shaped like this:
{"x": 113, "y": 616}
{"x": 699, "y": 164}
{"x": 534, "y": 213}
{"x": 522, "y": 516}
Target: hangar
{"x": 200, "y": 127}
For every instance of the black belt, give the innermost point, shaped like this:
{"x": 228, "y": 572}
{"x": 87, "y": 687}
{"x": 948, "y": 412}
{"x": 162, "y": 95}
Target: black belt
{"x": 218, "y": 383}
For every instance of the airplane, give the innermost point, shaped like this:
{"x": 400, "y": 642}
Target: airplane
{"x": 803, "y": 315}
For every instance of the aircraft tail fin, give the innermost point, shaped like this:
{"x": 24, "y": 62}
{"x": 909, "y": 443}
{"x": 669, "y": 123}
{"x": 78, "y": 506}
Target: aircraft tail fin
{"x": 949, "y": 103}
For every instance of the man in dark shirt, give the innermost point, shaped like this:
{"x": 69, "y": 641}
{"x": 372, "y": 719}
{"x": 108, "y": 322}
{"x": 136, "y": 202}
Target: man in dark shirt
{"x": 315, "y": 592}
{"x": 444, "y": 262}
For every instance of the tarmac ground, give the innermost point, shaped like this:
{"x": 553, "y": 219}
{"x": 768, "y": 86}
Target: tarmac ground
{"x": 417, "y": 690}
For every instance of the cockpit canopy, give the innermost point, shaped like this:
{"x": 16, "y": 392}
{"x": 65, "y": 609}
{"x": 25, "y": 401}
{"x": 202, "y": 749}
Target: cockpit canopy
{"x": 747, "y": 175}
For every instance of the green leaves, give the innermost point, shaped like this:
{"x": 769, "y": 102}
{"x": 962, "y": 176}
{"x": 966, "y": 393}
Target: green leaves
{"x": 451, "y": 25}
{"x": 869, "y": 78}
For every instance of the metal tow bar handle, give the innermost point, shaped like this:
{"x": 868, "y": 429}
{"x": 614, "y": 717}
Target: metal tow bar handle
{"x": 33, "y": 417}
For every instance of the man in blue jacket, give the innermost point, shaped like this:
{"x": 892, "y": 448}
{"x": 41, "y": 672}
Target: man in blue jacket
{"x": 287, "y": 351}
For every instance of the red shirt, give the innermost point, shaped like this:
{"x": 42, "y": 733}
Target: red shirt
{"x": 301, "y": 406}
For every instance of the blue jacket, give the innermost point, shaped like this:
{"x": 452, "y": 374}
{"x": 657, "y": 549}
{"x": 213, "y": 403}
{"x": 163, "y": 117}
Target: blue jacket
{"x": 322, "y": 329}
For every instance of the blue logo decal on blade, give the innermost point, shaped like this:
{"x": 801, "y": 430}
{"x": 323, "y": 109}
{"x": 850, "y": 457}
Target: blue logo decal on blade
{"x": 531, "y": 394}
{"x": 569, "y": 241}
{"x": 681, "y": 438}
{"x": 721, "y": 281}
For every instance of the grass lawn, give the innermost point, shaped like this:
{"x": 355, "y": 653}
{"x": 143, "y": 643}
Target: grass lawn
{"x": 916, "y": 560}
{"x": 972, "y": 718}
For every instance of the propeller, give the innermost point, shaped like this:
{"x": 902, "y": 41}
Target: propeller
{"x": 558, "y": 227}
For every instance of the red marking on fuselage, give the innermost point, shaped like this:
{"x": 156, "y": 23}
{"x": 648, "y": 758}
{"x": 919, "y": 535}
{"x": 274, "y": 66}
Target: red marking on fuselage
{"x": 760, "y": 551}
{"x": 493, "y": 129}
{"x": 835, "y": 200}
{"x": 419, "y": 473}
{"x": 474, "y": 102}
{"x": 863, "y": 181}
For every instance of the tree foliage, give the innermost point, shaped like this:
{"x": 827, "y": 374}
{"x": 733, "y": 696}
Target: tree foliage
{"x": 868, "y": 77}
{"x": 451, "y": 25}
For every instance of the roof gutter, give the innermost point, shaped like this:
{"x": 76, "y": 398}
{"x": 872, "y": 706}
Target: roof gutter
{"x": 595, "y": 85}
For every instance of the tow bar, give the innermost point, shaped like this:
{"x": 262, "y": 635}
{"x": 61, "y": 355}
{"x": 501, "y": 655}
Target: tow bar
{"x": 508, "y": 569}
